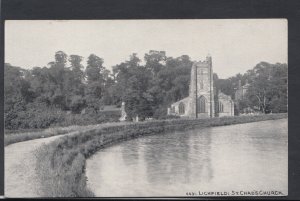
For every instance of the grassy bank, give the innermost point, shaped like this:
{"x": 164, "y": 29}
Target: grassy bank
{"x": 15, "y": 137}
{"x": 61, "y": 164}
{"x": 19, "y": 136}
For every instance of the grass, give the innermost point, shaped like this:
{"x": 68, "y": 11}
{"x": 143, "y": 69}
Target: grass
{"x": 61, "y": 163}
{"x": 11, "y": 138}
{"x": 18, "y": 136}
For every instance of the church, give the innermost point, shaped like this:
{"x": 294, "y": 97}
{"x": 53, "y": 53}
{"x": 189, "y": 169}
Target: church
{"x": 203, "y": 100}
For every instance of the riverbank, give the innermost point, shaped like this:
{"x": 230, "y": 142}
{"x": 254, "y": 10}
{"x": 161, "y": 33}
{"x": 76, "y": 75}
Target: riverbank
{"x": 11, "y": 137}
{"x": 61, "y": 164}
{"x": 16, "y": 136}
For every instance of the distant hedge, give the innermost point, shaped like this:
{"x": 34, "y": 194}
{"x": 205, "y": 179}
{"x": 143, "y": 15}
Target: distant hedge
{"x": 51, "y": 117}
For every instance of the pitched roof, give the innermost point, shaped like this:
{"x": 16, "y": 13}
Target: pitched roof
{"x": 110, "y": 108}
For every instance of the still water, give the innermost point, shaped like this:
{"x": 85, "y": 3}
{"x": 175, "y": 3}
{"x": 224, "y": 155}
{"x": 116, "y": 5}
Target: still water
{"x": 244, "y": 157}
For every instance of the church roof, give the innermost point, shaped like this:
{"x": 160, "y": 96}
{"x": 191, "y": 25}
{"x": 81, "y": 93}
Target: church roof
{"x": 182, "y": 100}
{"x": 224, "y": 96}
{"x": 110, "y": 108}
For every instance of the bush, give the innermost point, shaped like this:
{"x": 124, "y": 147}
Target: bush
{"x": 172, "y": 117}
{"x": 77, "y": 104}
{"x": 34, "y": 116}
{"x": 40, "y": 116}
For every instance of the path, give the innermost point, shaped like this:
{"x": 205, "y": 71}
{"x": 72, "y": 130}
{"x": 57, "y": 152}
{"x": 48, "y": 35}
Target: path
{"x": 20, "y": 163}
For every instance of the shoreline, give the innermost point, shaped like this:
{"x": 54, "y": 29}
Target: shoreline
{"x": 69, "y": 153}
{"x": 21, "y": 136}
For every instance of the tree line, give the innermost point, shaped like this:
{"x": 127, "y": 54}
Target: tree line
{"x": 66, "y": 92}
{"x": 267, "y": 88}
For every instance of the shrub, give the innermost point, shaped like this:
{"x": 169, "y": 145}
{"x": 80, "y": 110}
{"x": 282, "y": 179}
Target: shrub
{"x": 40, "y": 116}
{"x": 172, "y": 117}
{"x": 77, "y": 104}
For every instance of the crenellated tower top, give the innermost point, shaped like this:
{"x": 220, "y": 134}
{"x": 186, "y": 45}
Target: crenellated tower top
{"x": 204, "y": 63}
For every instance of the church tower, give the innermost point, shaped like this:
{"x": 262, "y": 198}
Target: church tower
{"x": 201, "y": 98}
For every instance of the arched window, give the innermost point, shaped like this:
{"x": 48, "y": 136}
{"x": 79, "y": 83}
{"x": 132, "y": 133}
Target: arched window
{"x": 181, "y": 108}
{"x": 221, "y": 107}
{"x": 201, "y": 104}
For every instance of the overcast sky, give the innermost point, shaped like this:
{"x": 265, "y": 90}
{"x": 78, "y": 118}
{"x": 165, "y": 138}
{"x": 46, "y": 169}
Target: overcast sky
{"x": 235, "y": 45}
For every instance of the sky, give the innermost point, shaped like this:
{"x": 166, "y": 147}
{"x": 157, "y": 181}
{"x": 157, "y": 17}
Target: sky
{"x": 235, "y": 45}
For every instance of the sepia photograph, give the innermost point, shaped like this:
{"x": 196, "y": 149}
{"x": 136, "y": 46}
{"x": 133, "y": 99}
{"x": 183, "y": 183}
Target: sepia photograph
{"x": 146, "y": 108}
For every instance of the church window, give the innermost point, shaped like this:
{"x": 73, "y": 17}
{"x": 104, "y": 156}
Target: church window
{"x": 221, "y": 107}
{"x": 201, "y": 104}
{"x": 181, "y": 108}
{"x": 201, "y": 84}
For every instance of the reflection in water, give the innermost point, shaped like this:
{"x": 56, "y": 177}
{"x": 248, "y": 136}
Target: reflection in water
{"x": 238, "y": 157}
{"x": 182, "y": 148}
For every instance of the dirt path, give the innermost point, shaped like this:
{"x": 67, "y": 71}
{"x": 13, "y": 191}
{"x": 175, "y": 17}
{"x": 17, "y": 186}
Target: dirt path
{"x": 20, "y": 163}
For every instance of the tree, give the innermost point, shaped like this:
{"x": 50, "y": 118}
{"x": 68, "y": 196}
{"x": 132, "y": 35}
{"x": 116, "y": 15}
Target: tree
{"x": 95, "y": 83}
{"x": 148, "y": 90}
{"x": 170, "y": 84}
{"x": 76, "y": 68}
{"x": 58, "y": 67}
{"x": 268, "y": 87}
{"x": 94, "y": 68}
{"x": 155, "y": 60}
{"x": 17, "y": 94}
{"x": 132, "y": 83}
{"x": 56, "y": 89}
{"x": 73, "y": 86}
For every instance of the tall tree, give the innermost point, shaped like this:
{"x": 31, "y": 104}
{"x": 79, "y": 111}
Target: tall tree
{"x": 268, "y": 87}
{"x": 57, "y": 80}
{"x": 76, "y": 68}
{"x": 95, "y": 82}
{"x": 17, "y": 94}
{"x": 74, "y": 84}
{"x": 155, "y": 60}
{"x": 132, "y": 82}
{"x": 94, "y": 68}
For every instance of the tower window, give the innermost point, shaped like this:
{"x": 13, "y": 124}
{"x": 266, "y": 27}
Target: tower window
{"x": 201, "y": 84}
{"x": 181, "y": 108}
{"x": 221, "y": 107}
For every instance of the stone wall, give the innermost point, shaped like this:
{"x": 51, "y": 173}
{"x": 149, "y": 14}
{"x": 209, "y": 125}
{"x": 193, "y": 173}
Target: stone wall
{"x": 227, "y": 105}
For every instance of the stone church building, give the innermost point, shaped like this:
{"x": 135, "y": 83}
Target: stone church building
{"x": 203, "y": 100}
{"x": 241, "y": 90}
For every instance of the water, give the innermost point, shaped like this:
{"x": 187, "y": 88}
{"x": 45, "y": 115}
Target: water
{"x": 244, "y": 157}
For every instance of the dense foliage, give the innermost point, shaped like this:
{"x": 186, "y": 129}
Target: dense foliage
{"x": 267, "y": 90}
{"x": 66, "y": 92}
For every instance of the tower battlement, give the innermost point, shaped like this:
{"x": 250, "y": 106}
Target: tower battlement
{"x": 207, "y": 61}
{"x": 201, "y": 63}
